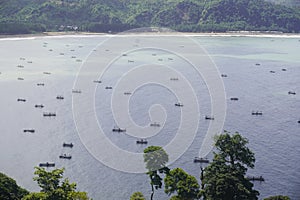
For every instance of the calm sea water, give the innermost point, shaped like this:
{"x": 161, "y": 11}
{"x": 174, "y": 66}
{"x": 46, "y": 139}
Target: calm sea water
{"x": 273, "y": 137}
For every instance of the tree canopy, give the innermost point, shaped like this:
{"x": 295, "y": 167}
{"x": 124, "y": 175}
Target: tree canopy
{"x": 185, "y": 185}
{"x": 156, "y": 159}
{"x": 26, "y": 16}
{"x": 224, "y": 178}
{"x": 53, "y": 188}
{"x": 9, "y": 190}
{"x": 137, "y": 196}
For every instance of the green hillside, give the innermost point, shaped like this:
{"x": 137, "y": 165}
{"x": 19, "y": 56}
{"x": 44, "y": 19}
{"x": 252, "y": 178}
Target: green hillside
{"x": 26, "y": 16}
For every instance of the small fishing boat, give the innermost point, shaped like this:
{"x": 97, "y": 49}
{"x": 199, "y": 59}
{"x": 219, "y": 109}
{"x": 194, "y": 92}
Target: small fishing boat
{"x": 47, "y": 164}
{"x": 257, "y": 113}
{"x": 117, "y": 129}
{"x": 76, "y": 91}
{"x": 28, "y": 130}
{"x": 255, "y": 178}
{"x": 59, "y": 97}
{"x": 40, "y": 84}
{"x": 127, "y": 93}
{"x": 68, "y": 145}
{"x": 178, "y": 104}
{"x": 174, "y": 79}
{"x": 97, "y": 81}
{"x": 39, "y": 106}
{"x": 200, "y": 160}
{"x": 108, "y": 87}
{"x": 142, "y": 141}
{"x": 155, "y": 124}
{"x": 292, "y": 93}
{"x": 21, "y": 79}
{"x": 22, "y": 100}
{"x": 209, "y": 117}
{"x": 49, "y": 114}
{"x": 20, "y": 66}
{"x": 48, "y": 73}
{"x": 224, "y": 75}
{"x": 272, "y": 71}
{"x": 234, "y": 99}
{"x": 65, "y": 156}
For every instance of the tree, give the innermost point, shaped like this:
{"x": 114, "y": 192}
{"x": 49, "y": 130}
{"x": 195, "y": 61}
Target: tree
{"x": 156, "y": 159}
{"x": 279, "y": 197}
{"x": 137, "y": 196}
{"x": 9, "y": 190}
{"x": 224, "y": 178}
{"x": 185, "y": 185}
{"x": 52, "y": 188}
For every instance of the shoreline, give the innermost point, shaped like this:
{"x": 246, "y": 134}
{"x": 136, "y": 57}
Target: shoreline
{"x": 199, "y": 34}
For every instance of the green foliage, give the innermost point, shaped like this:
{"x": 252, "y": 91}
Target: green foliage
{"x": 53, "y": 188}
{"x": 185, "y": 185}
{"x": 224, "y": 178}
{"x": 119, "y": 15}
{"x": 280, "y": 197}
{"x": 9, "y": 190}
{"x": 156, "y": 159}
{"x": 137, "y": 196}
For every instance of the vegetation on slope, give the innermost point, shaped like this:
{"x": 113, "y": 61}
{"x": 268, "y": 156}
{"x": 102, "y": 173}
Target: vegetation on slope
{"x": 25, "y": 16}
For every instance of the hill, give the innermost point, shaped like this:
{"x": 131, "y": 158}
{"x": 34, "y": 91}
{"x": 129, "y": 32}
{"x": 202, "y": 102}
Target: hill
{"x": 26, "y": 16}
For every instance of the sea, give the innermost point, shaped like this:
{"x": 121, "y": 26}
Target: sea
{"x": 132, "y": 82}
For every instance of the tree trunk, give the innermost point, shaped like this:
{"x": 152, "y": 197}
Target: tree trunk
{"x": 151, "y": 197}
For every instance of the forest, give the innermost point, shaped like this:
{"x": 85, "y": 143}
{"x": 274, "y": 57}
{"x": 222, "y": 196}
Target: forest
{"x": 35, "y": 16}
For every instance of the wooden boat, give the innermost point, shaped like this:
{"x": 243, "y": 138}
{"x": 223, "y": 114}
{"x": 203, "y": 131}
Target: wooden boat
{"x": 48, "y": 73}
{"x": 257, "y": 64}
{"x": 76, "y": 91}
{"x": 200, "y": 160}
{"x": 40, "y": 84}
{"x": 127, "y": 93}
{"x": 174, "y": 79}
{"x": 28, "y": 130}
{"x": 65, "y": 156}
{"x": 234, "y": 99}
{"x": 23, "y": 100}
{"x": 47, "y": 164}
{"x": 21, "y": 79}
{"x": 20, "y": 66}
{"x": 255, "y": 178}
{"x": 291, "y": 92}
{"x": 39, "y": 106}
{"x": 257, "y": 113}
{"x": 299, "y": 121}
{"x": 68, "y": 145}
{"x": 130, "y": 61}
{"x": 142, "y": 141}
{"x": 108, "y": 87}
{"x": 117, "y": 129}
{"x": 60, "y": 97}
{"x": 209, "y": 118}
{"x": 49, "y": 114}
{"x": 179, "y": 104}
{"x": 283, "y": 69}
{"x": 224, "y": 75}
{"x": 155, "y": 124}
{"x": 97, "y": 81}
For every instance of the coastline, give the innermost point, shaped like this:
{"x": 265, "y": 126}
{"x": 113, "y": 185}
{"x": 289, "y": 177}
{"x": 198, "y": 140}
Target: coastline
{"x": 199, "y": 34}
